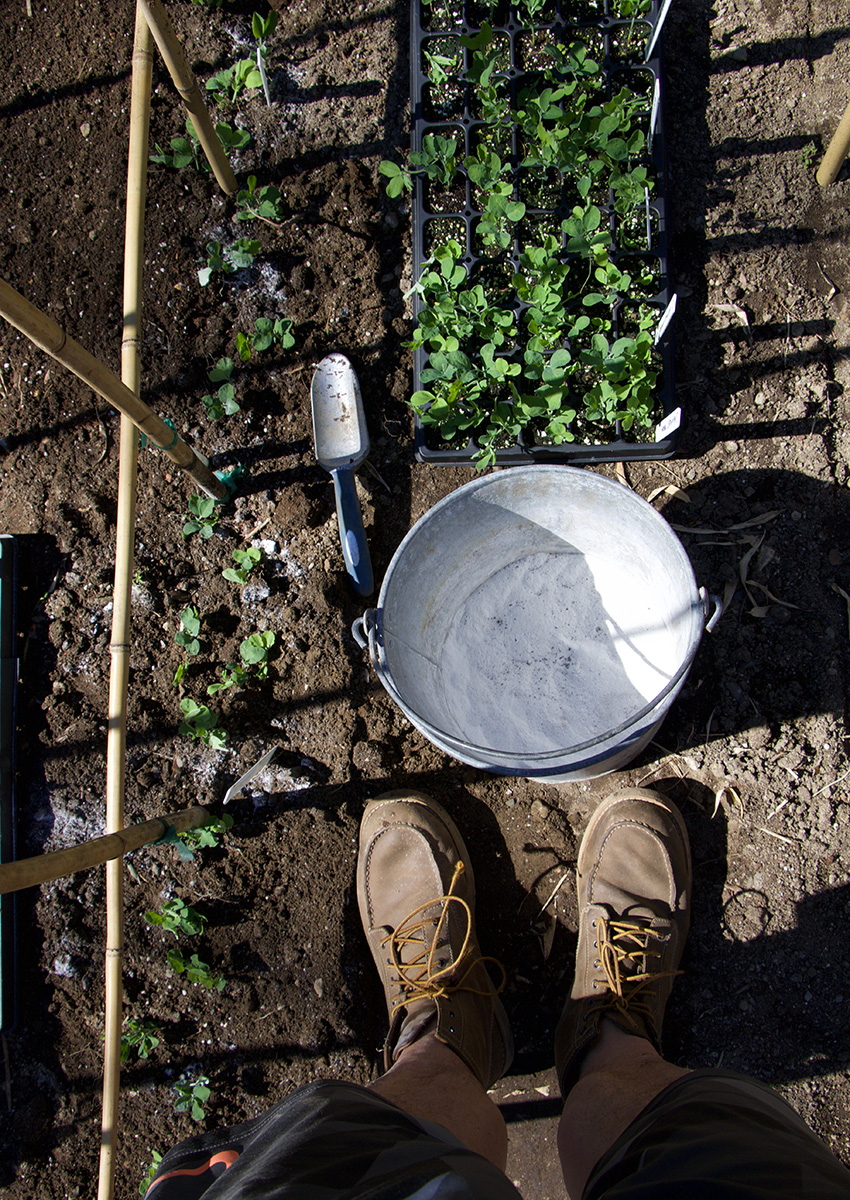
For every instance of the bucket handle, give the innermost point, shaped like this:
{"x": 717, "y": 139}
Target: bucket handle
{"x": 715, "y": 602}
{"x": 363, "y": 631}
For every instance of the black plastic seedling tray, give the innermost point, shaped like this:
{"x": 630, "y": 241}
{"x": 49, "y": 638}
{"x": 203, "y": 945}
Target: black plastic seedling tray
{"x": 562, "y": 20}
{"x": 8, "y": 678}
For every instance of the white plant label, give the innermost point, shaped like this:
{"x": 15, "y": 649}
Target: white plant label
{"x": 670, "y": 423}
{"x": 666, "y": 319}
{"x": 653, "y": 116}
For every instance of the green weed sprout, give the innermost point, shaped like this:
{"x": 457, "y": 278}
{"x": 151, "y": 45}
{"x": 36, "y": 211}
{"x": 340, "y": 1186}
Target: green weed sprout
{"x": 247, "y": 560}
{"x": 199, "y": 722}
{"x": 223, "y": 403}
{"x": 208, "y": 835}
{"x": 177, "y": 917}
{"x": 203, "y": 516}
{"x": 255, "y": 651}
{"x": 190, "y": 626}
{"x": 141, "y": 1036}
{"x": 195, "y": 971}
{"x": 192, "y": 1096}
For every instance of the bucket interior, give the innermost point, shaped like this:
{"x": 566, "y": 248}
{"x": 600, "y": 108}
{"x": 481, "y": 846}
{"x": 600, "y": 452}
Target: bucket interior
{"x": 537, "y": 609}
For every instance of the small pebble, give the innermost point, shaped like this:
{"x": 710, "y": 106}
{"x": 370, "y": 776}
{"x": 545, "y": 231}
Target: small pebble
{"x": 730, "y": 446}
{"x": 319, "y": 987}
{"x": 85, "y": 129}
{"x": 539, "y": 810}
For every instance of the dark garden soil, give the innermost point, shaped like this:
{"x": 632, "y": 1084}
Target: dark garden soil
{"x": 753, "y": 750}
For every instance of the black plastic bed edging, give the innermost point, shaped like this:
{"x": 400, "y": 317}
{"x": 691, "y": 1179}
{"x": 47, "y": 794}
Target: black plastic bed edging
{"x": 563, "y": 20}
{"x": 8, "y": 681}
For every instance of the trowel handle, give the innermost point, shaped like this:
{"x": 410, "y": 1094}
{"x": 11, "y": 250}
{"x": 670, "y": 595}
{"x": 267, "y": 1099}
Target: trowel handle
{"x": 355, "y": 549}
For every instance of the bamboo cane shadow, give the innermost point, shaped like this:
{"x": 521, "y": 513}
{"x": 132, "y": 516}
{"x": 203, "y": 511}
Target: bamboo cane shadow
{"x": 790, "y": 660}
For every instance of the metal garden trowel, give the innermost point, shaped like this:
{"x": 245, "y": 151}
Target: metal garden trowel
{"x": 342, "y": 442}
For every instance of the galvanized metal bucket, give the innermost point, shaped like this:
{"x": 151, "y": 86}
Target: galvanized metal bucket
{"x": 539, "y": 622}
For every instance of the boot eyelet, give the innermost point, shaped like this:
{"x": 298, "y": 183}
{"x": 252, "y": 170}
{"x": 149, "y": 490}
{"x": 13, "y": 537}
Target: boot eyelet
{"x": 597, "y": 964}
{"x": 595, "y": 985}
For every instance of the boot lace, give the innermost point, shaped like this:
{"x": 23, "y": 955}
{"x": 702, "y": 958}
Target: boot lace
{"x": 421, "y": 977}
{"x": 622, "y": 945}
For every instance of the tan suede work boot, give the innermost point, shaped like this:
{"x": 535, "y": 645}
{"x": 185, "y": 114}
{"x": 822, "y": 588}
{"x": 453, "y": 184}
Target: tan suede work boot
{"x": 634, "y": 888}
{"x": 416, "y": 894}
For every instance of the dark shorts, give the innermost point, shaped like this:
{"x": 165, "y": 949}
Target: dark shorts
{"x": 712, "y": 1135}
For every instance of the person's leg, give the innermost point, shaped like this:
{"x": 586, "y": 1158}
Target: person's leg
{"x": 449, "y": 1038}
{"x": 429, "y": 1081}
{"x": 634, "y": 879}
{"x": 620, "y": 1075}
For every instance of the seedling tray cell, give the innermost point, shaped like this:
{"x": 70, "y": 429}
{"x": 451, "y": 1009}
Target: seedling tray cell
{"x": 450, "y": 103}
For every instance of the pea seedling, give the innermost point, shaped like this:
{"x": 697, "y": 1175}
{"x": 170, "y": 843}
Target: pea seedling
{"x": 195, "y": 971}
{"x": 247, "y": 560}
{"x": 230, "y": 677}
{"x": 266, "y": 333}
{"x": 178, "y": 917}
{"x": 147, "y": 1180}
{"x": 223, "y": 403}
{"x": 141, "y": 1036}
{"x": 207, "y": 835}
{"x": 190, "y": 626}
{"x": 228, "y": 259}
{"x": 255, "y": 651}
{"x": 199, "y": 723}
{"x": 192, "y": 1096}
{"x": 203, "y": 516}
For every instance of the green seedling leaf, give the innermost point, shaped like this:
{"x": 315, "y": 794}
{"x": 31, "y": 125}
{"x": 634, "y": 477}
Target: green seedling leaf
{"x": 142, "y": 1035}
{"x": 210, "y": 834}
{"x": 178, "y": 918}
{"x": 187, "y": 634}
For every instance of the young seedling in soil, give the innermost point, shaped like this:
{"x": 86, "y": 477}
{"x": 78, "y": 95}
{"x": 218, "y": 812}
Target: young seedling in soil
{"x": 231, "y": 677}
{"x": 156, "y": 1157}
{"x": 142, "y": 1035}
{"x": 187, "y": 151}
{"x": 199, "y": 723}
{"x": 266, "y": 333}
{"x": 223, "y": 403}
{"x": 398, "y": 179}
{"x": 261, "y": 204}
{"x": 262, "y": 28}
{"x": 254, "y": 651}
{"x": 195, "y": 971}
{"x": 246, "y": 560}
{"x": 192, "y": 1096}
{"x": 228, "y": 260}
{"x": 208, "y": 835}
{"x": 190, "y": 626}
{"x": 203, "y": 516}
{"x": 178, "y": 917}
{"x": 226, "y": 86}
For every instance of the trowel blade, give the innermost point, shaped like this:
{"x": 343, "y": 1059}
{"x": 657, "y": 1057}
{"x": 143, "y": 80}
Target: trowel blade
{"x": 339, "y": 426}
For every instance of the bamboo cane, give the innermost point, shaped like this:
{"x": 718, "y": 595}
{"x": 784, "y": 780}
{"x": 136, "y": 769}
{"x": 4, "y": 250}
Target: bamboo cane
{"x": 836, "y": 152}
{"x": 44, "y": 868}
{"x": 119, "y": 648}
{"x": 187, "y": 85}
{"x": 50, "y": 337}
